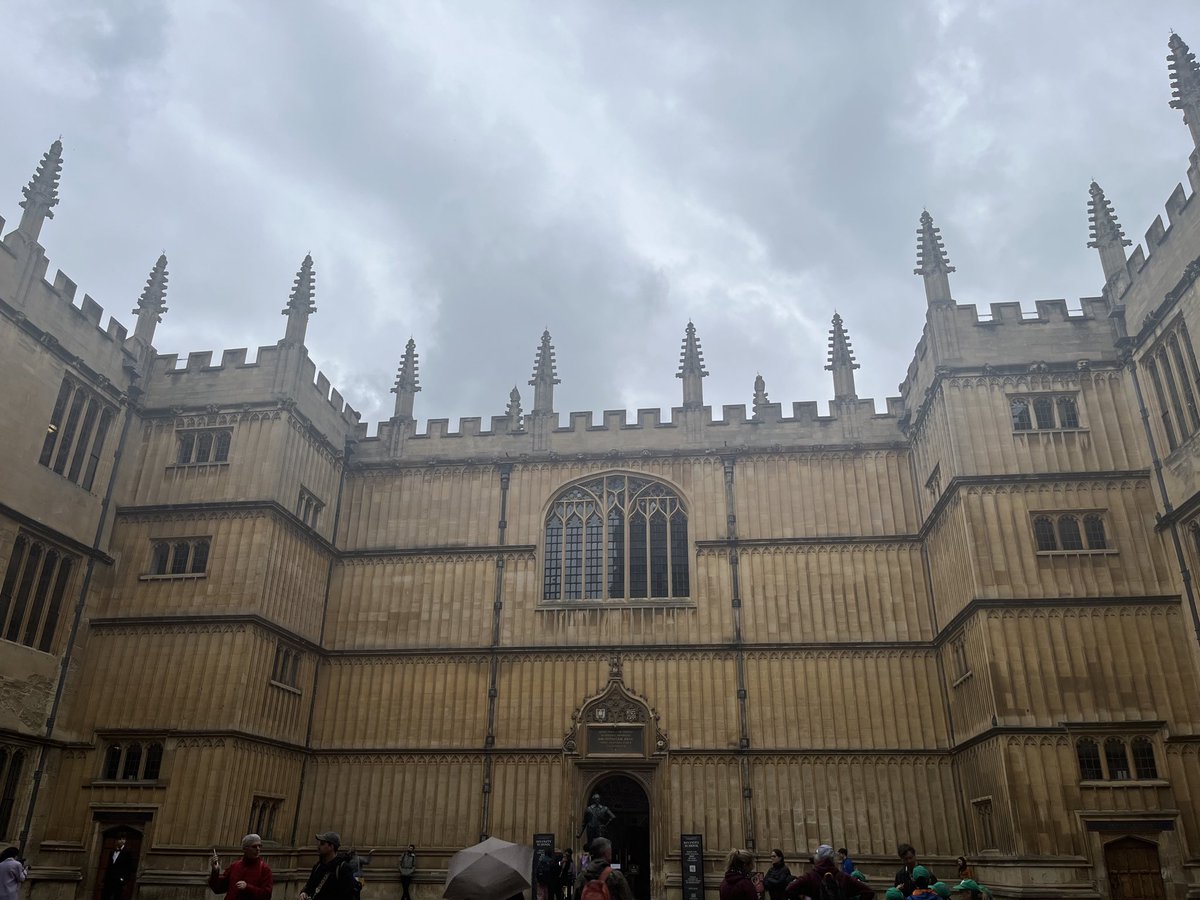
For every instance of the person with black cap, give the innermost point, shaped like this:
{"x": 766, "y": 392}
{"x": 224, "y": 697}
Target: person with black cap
{"x": 332, "y": 878}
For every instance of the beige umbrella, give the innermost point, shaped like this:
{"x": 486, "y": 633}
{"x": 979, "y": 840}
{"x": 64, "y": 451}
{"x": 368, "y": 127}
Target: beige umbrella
{"x": 491, "y": 870}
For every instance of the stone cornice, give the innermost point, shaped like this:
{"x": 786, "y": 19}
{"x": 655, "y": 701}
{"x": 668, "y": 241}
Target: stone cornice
{"x": 41, "y": 529}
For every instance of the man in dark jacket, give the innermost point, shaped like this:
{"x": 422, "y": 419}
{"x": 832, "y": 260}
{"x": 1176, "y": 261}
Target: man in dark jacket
{"x": 618, "y": 887}
{"x": 119, "y": 873}
{"x": 332, "y": 878}
{"x": 904, "y": 876}
{"x": 825, "y": 879}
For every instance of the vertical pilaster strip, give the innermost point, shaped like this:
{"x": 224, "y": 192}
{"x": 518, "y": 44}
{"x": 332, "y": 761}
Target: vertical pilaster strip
{"x": 739, "y": 656}
{"x": 1185, "y": 573}
{"x": 489, "y": 740}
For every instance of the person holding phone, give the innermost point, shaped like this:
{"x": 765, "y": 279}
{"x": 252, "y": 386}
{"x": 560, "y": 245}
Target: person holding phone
{"x": 249, "y": 878}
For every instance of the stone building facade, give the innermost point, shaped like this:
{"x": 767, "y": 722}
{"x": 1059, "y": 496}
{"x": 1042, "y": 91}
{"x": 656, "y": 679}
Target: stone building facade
{"x": 967, "y": 622}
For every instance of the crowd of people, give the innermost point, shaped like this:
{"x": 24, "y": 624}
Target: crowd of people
{"x": 832, "y": 875}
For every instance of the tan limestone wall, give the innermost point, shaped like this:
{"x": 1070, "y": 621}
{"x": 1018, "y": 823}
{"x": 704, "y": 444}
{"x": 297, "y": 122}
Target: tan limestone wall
{"x": 880, "y": 696}
{"x": 827, "y": 494}
{"x": 259, "y": 564}
{"x": 411, "y": 601}
{"x": 426, "y": 702}
{"x": 393, "y": 799}
{"x": 834, "y": 592}
{"x": 1100, "y": 664}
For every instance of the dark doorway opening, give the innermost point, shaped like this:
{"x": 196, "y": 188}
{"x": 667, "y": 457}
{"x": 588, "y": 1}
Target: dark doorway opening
{"x": 1134, "y": 870}
{"x": 629, "y": 830}
{"x": 116, "y": 877}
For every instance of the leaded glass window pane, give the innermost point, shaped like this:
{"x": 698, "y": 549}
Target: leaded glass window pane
{"x": 1020, "y": 414}
{"x": 1117, "y": 759}
{"x": 616, "y": 554}
{"x": 1043, "y": 532}
{"x": 200, "y": 557}
{"x": 679, "y": 555}
{"x": 1143, "y": 758}
{"x": 1068, "y": 413}
{"x": 552, "y": 588}
{"x": 637, "y": 555}
{"x": 1043, "y": 411}
{"x": 594, "y": 554}
{"x": 658, "y": 554}
{"x": 573, "y": 559}
{"x": 1089, "y": 760}
{"x": 1068, "y": 533}
{"x": 179, "y": 558}
{"x": 1093, "y": 527}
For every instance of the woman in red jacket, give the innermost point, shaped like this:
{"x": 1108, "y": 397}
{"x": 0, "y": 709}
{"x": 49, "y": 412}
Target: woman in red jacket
{"x": 247, "y": 879}
{"x": 737, "y": 884}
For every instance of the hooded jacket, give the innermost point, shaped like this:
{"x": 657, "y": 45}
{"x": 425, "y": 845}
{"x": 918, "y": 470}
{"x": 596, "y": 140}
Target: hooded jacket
{"x": 809, "y": 884}
{"x": 738, "y": 886}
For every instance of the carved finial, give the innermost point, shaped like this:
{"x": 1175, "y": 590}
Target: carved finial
{"x": 545, "y": 376}
{"x": 932, "y": 262}
{"x": 1185, "y": 84}
{"x": 691, "y": 369}
{"x": 841, "y": 361}
{"x": 300, "y": 304}
{"x": 513, "y": 410}
{"x": 152, "y": 303}
{"x": 41, "y": 194}
{"x": 408, "y": 382}
{"x": 760, "y": 395}
{"x": 1106, "y": 234}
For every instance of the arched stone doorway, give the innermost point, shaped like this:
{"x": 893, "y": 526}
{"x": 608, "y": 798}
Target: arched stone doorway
{"x": 629, "y": 830}
{"x": 1134, "y": 870}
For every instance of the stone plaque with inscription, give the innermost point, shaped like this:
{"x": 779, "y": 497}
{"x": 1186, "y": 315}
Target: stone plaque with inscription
{"x": 616, "y": 740}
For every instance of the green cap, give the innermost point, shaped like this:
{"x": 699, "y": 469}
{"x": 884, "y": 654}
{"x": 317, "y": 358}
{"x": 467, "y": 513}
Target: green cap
{"x": 970, "y": 884}
{"x": 859, "y": 875}
{"x": 940, "y": 888}
{"x": 894, "y": 893}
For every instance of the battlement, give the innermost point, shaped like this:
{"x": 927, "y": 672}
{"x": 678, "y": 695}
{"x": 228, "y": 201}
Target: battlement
{"x": 958, "y": 335}
{"x": 1156, "y": 265}
{"x": 50, "y": 307}
{"x": 278, "y": 372}
{"x": 849, "y": 423}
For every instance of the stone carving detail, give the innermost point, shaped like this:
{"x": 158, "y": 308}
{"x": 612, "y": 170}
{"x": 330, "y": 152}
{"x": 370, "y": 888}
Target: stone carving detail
{"x": 615, "y": 705}
{"x": 26, "y": 698}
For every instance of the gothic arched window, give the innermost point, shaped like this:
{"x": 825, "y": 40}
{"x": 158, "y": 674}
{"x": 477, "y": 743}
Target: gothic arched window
{"x": 616, "y": 536}
{"x": 1089, "y": 760}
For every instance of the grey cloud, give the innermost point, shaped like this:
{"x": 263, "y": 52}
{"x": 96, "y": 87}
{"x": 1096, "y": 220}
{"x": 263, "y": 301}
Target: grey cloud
{"x": 469, "y": 175}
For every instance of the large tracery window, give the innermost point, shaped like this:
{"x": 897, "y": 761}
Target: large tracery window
{"x": 615, "y": 537}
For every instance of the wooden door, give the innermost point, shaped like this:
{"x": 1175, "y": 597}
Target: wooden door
{"x": 1134, "y": 872}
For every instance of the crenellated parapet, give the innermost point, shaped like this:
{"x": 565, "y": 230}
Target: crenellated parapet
{"x": 645, "y": 432}
{"x": 277, "y": 374}
{"x": 960, "y": 336}
{"x": 1158, "y": 263}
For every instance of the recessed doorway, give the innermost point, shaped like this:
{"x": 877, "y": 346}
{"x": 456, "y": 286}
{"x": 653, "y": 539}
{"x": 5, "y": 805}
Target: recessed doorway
{"x": 1134, "y": 870}
{"x": 629, "y": 830}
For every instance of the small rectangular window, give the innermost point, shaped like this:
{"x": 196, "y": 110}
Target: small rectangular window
{"x": 265, "y": 817}
{"x": 200, "y": 446}
{"x": 179, "y": 556}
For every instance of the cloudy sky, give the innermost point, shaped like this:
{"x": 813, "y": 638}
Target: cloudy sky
{"x": 470, "y": 173}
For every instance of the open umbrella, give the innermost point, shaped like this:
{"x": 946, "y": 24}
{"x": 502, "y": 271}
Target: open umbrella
{"x": 489, "y": 870}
